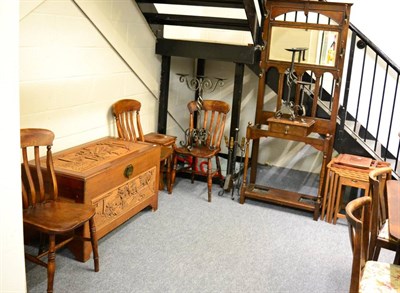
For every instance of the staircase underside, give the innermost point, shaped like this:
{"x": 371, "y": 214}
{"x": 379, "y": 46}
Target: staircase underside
{"x": 204, "y": 50}
{"x": 159, "y": 21}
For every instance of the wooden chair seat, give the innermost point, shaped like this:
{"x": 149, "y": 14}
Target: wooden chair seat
{"x": 160, "y": 139}
{"x": 380, "y": 277}
{"x": 199, "y": 152}
{"x": 58, "y": 217}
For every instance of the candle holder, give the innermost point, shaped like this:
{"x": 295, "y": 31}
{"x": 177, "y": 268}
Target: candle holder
{"x": 288, "y": 107}
{"x": 200, "y": 84}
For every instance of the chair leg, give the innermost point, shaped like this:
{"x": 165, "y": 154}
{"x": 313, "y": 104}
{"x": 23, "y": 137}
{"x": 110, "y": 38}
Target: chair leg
{"x": 326, "y": 194}
{"x": 194, "y": 162}
{"x": 332, "y": 198}
{"x": 397, "y": 255}
{"x": 338, "y": 201}
{"x": 209, "y": 179}
{"x": 373, "y": 246}
{"x": 169, "y": 183}
{"x": 42, "y": 243}
{"x": 51, "y": 263}
{"x": 174, "y": 166}
{"x": 93, "y": 240}
{"x": 377, "y": 250}
{"x": 161, "y": 180}
{"x": 219, "y": 172}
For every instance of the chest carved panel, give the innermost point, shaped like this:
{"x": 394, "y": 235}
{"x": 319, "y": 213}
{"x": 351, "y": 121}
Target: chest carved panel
{"x": 116, "y": 202}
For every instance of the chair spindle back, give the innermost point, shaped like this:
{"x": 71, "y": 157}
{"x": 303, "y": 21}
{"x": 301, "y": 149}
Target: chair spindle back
{"x": 127, "y": 117}
{"x": 212, "y": 118}
{"x": 32, "y": 140}
{"x": 358, "y": 214}
{"x": 377, "y": 181}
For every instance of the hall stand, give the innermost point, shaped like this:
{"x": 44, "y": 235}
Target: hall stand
{"x": 316, "y": 70}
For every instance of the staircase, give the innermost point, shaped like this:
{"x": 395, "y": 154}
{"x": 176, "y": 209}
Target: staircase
{"x": 214, "y": 40}
{"x": 368, "y": 120}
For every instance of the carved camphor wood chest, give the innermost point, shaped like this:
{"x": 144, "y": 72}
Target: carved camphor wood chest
{"x": 119, "y": 178}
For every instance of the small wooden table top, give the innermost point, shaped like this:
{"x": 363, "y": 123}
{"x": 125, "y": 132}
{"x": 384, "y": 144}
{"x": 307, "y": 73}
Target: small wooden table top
{"x": 161, "y": 139}
{"x": 393, "y": 197}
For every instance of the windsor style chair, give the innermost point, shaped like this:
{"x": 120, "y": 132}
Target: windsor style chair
{"x": 367, "y": 275}
{"x": 42, "y": 209}
{"x": 127, "y": 116}
{"x": 203, "y": 139}
{"x": 380, "y": 237}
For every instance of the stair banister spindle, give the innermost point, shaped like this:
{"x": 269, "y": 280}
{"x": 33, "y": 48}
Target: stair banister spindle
{"x": 371, "y": 97}
{"x": 360, "y": 88}
{"x": 391, "y": 122}
{"x": 380, "y": 109}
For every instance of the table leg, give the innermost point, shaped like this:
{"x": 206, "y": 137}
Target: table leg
{"x": 397, "y": 256}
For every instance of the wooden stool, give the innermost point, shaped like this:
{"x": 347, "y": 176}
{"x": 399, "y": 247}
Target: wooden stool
{"x": 345, "y": 170}
{"x": 350, "y": 182}
{"x": 167, "y": 152}
{"x": 331, "y": 183}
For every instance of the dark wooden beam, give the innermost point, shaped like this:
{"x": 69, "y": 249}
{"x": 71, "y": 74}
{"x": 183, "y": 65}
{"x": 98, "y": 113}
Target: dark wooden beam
{"x": 164, "y": 89}
{"x": 237, "y": 98}
{"x": 211, "y": 3}
{"x": 235, "y": 120}
{"x": 203, "y": 50}
{"x": 197, "y": 21}
{"x": 158, "y": 30}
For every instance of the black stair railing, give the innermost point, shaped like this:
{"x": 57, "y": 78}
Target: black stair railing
{"x": 370, "y": 107}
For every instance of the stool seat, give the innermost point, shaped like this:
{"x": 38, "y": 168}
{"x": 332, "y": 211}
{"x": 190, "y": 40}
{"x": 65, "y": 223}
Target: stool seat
{"x": 161, "y": 139}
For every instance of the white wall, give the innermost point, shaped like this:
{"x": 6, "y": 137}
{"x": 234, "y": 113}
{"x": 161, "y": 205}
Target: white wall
{"x": 69, "y": 77}
{"x": 12, "y": 269}
{"x": 70, "y": 74}
{"x": 378, "y": 21}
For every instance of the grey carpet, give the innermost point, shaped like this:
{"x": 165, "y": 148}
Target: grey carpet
{"x": 190, "y": 245}
{"x": 288, "y": 179}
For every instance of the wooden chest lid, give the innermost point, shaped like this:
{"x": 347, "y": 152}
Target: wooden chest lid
{"x": 94, "y": 156}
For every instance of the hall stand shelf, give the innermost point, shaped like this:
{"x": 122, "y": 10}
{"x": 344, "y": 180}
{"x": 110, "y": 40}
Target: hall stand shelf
{"x": 305, "y": 43}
